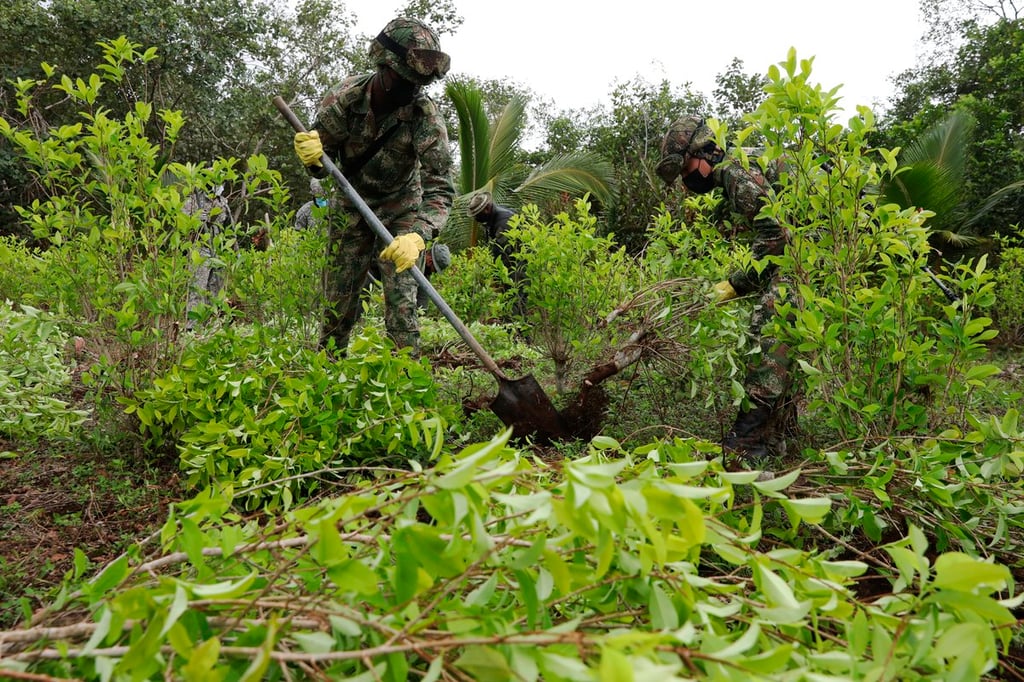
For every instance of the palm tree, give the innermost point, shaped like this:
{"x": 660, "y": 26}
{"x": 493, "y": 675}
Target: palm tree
{"x": 931, "y": 175}
{"x": 488, "y": 160}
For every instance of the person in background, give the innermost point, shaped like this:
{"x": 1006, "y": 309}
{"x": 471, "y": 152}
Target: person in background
{"x": 305, "y": 217}
{"x": 494, "y": 217}
{"x": 689, "y": 150}
{"x": 435, "y": 259}
{"x": 213, "y": 212}
{"x": 390, "y": 141}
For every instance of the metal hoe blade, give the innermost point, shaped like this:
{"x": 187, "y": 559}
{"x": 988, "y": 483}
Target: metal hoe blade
{"x": 523, "y": 405}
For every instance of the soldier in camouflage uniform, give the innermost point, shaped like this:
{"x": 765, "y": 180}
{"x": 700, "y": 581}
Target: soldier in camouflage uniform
{"x": 390, "y": 141}
{"x": 689, "y": 150}
{"x": 212, "y": 212}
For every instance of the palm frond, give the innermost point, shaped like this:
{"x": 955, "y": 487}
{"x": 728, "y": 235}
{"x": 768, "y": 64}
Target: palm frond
{"x": 944, "y": 144}
{"x": 474, "y": 131}
{"x": 925, "y": 185}
{"x": 506, "y": 133}
{"x": 955, "y": 240}
{"x": 573, "y": 173}
{"x": 993, "y": 200}
{"x": 488, "y": 162}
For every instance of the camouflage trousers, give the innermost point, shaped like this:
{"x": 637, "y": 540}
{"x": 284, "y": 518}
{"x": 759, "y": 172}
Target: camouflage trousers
{"x": 769, "y": 377}
{"x": 351, "y": 250}
{"x": 206, "y": 284}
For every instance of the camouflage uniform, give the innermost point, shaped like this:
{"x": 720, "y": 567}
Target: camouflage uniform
{"x": 213, "y": 212}
{"x": 760, "y": 429}
{"x": 304, "y": 217}
{"x": 769, "y": 380}
{"x": 407, "y": 183}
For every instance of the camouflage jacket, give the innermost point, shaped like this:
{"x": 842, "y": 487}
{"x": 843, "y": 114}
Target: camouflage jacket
{"x": 744, "y": 192}
{"x": 213, "y": 212}
{"x": 304, "y": 218}
{"x": 408, "y": 182}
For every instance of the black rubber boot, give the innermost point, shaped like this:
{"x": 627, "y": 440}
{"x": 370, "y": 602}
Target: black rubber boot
{"x": 747, "y": 439}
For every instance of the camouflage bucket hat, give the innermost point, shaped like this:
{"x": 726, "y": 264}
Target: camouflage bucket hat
{"x": 412, "y": 49}
{"x": 702, "y": 143}
{"x": 674, "y": 147}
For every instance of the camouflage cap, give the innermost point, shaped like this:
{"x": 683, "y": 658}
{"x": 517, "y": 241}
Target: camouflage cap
{"x": 315, "y": 188}
{"x": 412, "y": 49}
{"x": 480, "y": 202}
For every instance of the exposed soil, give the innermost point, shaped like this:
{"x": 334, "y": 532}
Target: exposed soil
{"x": 53, "y": 501}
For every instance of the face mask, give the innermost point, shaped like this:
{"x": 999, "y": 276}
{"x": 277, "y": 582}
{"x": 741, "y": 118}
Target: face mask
{"x": 399, "y": 90}
{"x": 695, "y": 182}
{"x": 320, "y": 202}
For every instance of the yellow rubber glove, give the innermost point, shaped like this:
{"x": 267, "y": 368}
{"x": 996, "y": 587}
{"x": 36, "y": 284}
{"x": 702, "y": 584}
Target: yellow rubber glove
{"x": 724, "y": 291}
{"x": 404, "y": 251}
{"x": 308, "y": 148}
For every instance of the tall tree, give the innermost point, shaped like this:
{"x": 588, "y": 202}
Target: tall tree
{"x": 737, "y": 93}
{"x": 630, "y": 133}
{"x": 945, "y": 19}
{"x": 218, "y": 61}
{"x": 983, "y": 80}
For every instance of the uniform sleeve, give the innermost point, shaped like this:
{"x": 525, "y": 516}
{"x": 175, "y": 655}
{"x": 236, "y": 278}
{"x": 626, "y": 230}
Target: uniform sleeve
{"x": 435, "y": 175}
{"x": 769, "y": 240}
{"x": 746, "y": 191}
{"x": 332, "y": 122}
{"x": 331, "y": 118}
{"x": 303, "y": 215}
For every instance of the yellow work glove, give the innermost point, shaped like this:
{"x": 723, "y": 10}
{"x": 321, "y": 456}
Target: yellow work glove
{"x": 308, "y": 148}
{"x": 724, "y": 291}
{"x": 404, "y": 251}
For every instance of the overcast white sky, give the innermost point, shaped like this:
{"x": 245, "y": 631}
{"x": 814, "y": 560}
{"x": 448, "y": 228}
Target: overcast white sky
{"x": 574, "y": 51}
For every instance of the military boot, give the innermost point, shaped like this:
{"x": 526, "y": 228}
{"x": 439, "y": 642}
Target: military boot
{"x": 749, "y": 439}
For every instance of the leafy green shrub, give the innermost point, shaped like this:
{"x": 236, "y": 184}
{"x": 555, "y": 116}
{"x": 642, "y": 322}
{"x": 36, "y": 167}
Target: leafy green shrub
{"x": 281, "y": 288}
{"x": 33, "y": 373}
{"x": 706, "y": 342}
{"x": 22, "y": 273}
{"x": 475, "y": 285}
{"x": 119, "y": 245}
{"x": 572, "y": 278}
{"x": 257, "y": 414}
{"x": 649, "y": 564}
{"x": 678, "y": 249}
{"x": 881, "y": 351}
{"x": 1008, "y": 309}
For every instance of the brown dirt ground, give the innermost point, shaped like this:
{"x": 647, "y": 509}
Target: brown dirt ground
{"x": 53, "y": 501}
